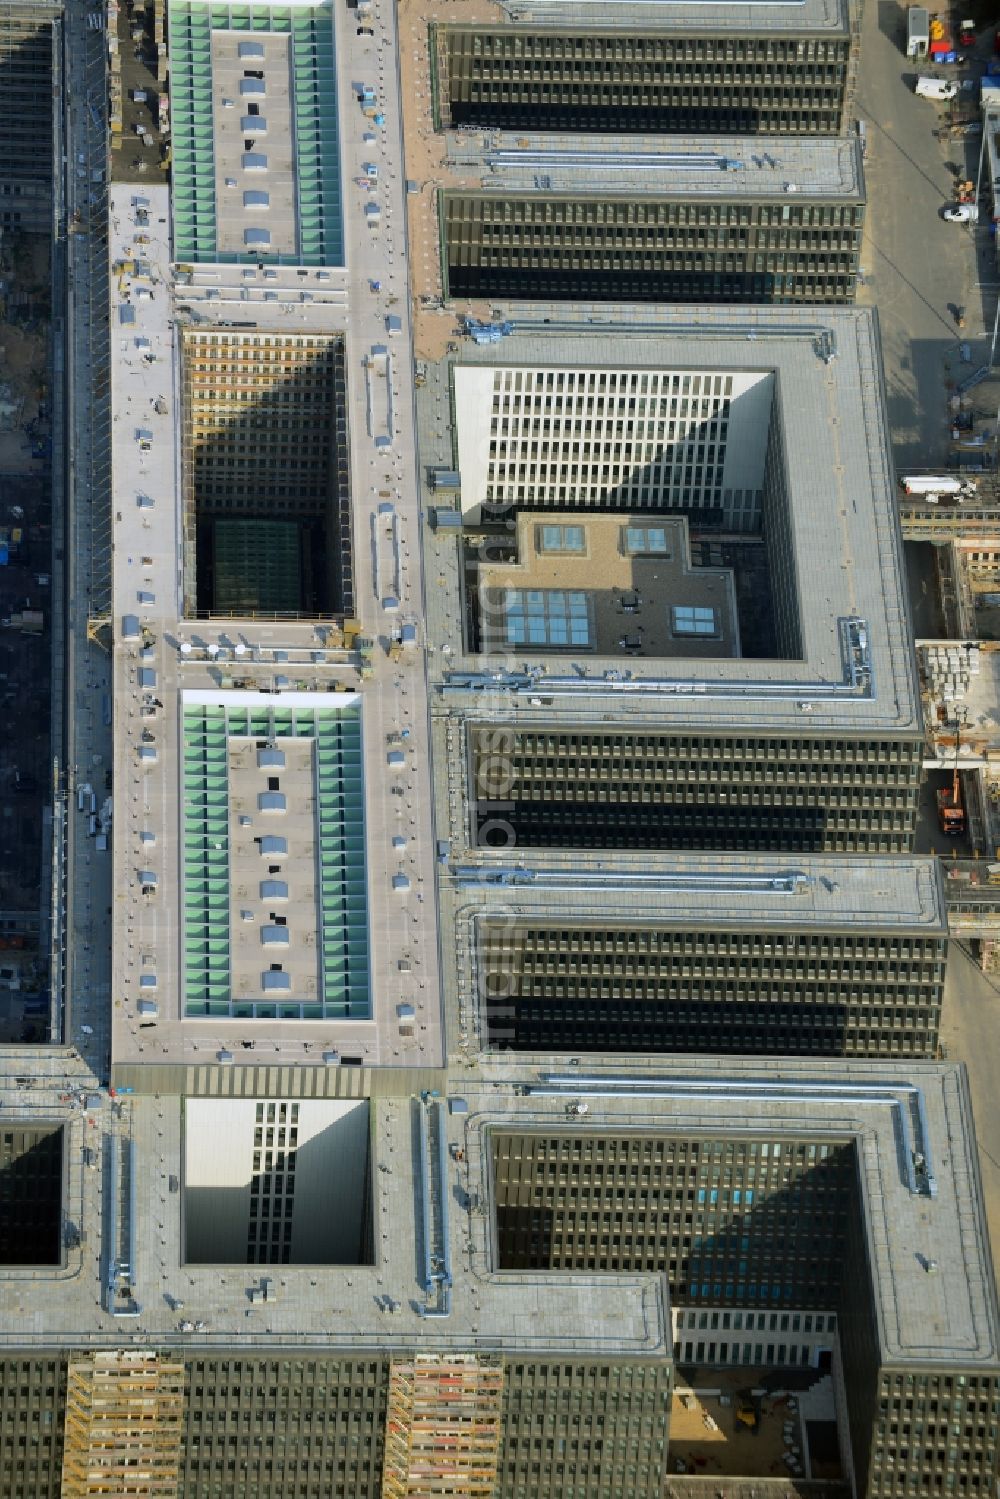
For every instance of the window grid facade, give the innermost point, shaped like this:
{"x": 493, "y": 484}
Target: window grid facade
{"x": 518, "y": 79}
{"x": 730, "y": 1222}
{"x": 934, "y": 1434}
{"x": 632, "y": 439}
{"x": 264, "y": 439}
{"x": 593, "y": 789}
{"x": 32, "y": 1408}
{"x": 752, "y": 1338}
{"x": 256, "y": 418}
{"x": 636, "y": 989}
{"x": 650, "y": 249}
{"x": 584, "y": 1431}
{"x": 26, "y": 107}
{"x": 272, "y": 1185}
{"x": 31, "y": 1192}
{"x": 294, "y": 1428}
{"x": 779, "y": 541}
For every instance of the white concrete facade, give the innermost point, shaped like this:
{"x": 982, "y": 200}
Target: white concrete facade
{"x": 240, "y": 1154}
{"x": 631, "y": 438}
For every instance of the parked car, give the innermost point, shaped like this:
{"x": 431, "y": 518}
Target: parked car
{"x": 962, "y": 213}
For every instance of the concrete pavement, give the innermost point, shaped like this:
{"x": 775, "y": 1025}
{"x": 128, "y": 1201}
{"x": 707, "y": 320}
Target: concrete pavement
{"x": 917, "y": 266}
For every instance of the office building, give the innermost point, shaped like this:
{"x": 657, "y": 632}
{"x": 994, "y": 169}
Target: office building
{"x": 670, "y": 68}
{"x": 30, "y": 38}
{"x": 319, "y": 1231}
{"x": 275, "y": 711}
{"x": 807, "y": 741}
{"x": 833, "y": 956}
{"x": 821, "y": 1230}
{"x": 708, "y": 219}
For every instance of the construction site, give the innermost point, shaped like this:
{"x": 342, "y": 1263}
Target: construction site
{"x": 735, "y": 1424}
{"x": 952, "y": 524}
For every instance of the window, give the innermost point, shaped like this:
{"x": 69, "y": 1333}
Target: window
{"x": 537, "y": 616}
{"x": 692, "y": 619}
{"x": 561, "y": 539}
{"x": 650, "y": 541}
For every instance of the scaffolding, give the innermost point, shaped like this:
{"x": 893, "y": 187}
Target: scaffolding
{"x": 443, "y": 1426}
{"x": 124, "y": 1426}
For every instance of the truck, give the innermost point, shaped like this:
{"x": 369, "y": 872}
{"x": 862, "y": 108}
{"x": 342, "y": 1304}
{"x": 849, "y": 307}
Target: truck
{"x": 925, "y": 484}
{"x": 950, "y": 807}
{"x": 918, "y": 33}
{"x": 935, "y": 88}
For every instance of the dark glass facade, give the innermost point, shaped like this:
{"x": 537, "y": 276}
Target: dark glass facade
{"x": 647, "y": 249}
{"x": 518, "y": 78}
{"x": 31, "y": 1190}
{"x": 752, "y": 1223}
{"x": 26, "y": 105}
{"x": 582, "y": 987}
{"x": 557, "y": 788}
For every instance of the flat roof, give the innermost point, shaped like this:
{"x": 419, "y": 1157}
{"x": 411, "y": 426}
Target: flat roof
{"x": 712, "y": 17}
{"x": 624, "y": 586}
{"x": 254, "y": 141}
{"x": 945, "y": 1315}
{"x": 943, "y": 1318}
{"x": 295, "y": 157}
{"x": 236, "y": 804}
{"x": 844, "y": 532}
{"x": 263, "y": 661}
{"x": 547, "y": 163}
{"x": 732, "y": 892}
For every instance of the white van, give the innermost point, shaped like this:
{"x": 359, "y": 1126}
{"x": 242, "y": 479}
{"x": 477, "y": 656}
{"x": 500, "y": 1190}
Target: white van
{"x": 935, "y": 88}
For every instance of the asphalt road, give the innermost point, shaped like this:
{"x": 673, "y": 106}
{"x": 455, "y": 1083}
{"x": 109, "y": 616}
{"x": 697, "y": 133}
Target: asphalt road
{"x": 917, "y": 266}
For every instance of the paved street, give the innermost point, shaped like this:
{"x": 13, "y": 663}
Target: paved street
{"x": 917, "y": 266}
{"x": 971, "y": 1031}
